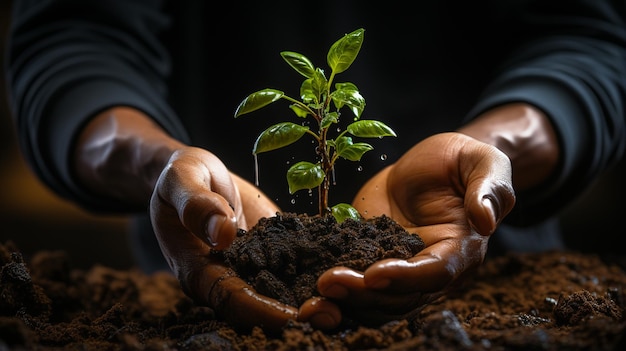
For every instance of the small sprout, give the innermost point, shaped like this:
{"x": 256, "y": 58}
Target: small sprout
{"x": 318, "y": 100}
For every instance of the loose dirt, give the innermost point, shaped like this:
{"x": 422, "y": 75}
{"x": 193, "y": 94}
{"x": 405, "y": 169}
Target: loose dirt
{"x": 547, "y": 301}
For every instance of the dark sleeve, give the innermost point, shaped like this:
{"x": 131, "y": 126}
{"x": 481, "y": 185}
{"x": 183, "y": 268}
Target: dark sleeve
{"x": 69, "y": 60}
{"x": 572, "y": 65}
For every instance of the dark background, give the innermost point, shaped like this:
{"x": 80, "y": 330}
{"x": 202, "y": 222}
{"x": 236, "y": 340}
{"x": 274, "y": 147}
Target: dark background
{"x": 36, "y": 219}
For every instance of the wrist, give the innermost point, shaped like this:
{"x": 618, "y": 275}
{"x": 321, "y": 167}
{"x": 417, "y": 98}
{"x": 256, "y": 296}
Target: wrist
{"x": 120, "y": 153}
{"x": 525, "y": 134}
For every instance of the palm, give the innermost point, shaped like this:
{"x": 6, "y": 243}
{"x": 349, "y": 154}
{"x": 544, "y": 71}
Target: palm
{"x": 451, "y": 190}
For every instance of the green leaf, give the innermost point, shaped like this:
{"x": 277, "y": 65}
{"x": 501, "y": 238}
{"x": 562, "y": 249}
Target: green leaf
{"x": 312, "y": 89}
{"x": 307, "y": 93}
{"x": 304, "y": 175}
{"x": 343, "y": 211}
{"x": 299, "y": 62}
{"x": 257, "y": 100}
{"x": 370, "y": 129}
{"x": 348, "y": 94}
{"x": 277, "y": 136}
{"x": 351, "y": 151}
{"x": 346, "y": 85}
{"x": 344, "y": 51}
{"x": 299, "y": 110}
{"x": 329, "y": 119}
{"x": 319, "y": 82}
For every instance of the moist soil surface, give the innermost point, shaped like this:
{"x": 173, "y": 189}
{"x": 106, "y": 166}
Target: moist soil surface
{"x": 282, "y": 256}
{"x": 541, "y": 301}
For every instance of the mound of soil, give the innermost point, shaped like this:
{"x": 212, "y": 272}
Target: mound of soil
{"x": 282, "y": 256}
{"x": 548, "y": 301}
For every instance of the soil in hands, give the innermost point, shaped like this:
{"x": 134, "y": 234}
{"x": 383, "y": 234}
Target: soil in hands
{"x": 282, "y": 256}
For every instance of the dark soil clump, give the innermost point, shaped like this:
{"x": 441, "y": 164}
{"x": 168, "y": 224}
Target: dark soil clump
{"x": 541, "y": 301}
{"x": 282, "y": 256}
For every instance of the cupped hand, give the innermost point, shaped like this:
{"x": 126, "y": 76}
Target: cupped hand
{"x": 451, "y": 190}
{"x": 197, "y": 206}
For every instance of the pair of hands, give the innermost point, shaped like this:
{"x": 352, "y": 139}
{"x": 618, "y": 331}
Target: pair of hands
{"x": 451, "y": 189}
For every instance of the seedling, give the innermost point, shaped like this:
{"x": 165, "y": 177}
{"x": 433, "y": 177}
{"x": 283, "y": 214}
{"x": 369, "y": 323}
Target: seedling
{"x": 319, "y": 101}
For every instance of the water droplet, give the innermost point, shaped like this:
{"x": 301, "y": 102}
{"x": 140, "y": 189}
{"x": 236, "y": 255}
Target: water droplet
{"x": 310, "y": 192}
{"x": 359, "y": 169}
{"x": 256, "y": 170}
{"x": 293, "y": 201}
{"x": 338, "y": 129}
{"x": 383, "y": 157}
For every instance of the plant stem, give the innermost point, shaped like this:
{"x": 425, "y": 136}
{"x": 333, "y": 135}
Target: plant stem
{"x": 327, "y": 165}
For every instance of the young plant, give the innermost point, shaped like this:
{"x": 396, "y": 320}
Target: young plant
{"x": 319, "y": 101}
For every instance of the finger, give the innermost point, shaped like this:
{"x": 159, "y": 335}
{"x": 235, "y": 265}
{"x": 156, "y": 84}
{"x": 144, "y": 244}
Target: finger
{"x": 432, "y": 269}
{"x": 239, "y": 304}
{"x": 203, "y": 198}
{"x": 346, "y": 286}
{"x": 208, "y": 217}
{"x": 343, "y": 283}
{"x": 490, "y": 195}
{"x": 320, "y": 313}
{"x": 338, "y": 282}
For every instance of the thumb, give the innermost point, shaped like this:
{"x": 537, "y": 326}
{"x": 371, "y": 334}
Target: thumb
{"x": 199, "y": 187}
{"x": 209, "y": 216}
{"x": 490, "y": 195}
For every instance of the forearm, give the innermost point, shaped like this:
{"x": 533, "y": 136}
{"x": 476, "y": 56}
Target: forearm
{"x": 525, "y": 135}
{"x": 120, "y": 154}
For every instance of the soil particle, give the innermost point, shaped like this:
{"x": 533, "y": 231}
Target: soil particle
{"x": 582, "y": 305}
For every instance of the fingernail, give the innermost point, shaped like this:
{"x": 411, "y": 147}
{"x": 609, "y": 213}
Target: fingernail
{"x": 214, "y": 227}
{"x": 491, "y": 206}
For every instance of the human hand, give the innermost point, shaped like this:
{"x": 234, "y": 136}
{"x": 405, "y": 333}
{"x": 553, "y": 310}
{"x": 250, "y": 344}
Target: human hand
{"x": 197, "y": 206}
{"x": 450, "y": 189}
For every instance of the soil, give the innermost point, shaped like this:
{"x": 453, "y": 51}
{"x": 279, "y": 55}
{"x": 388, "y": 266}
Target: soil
{"x": 282, "y": 256}
{"x": 540, "y": 301}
